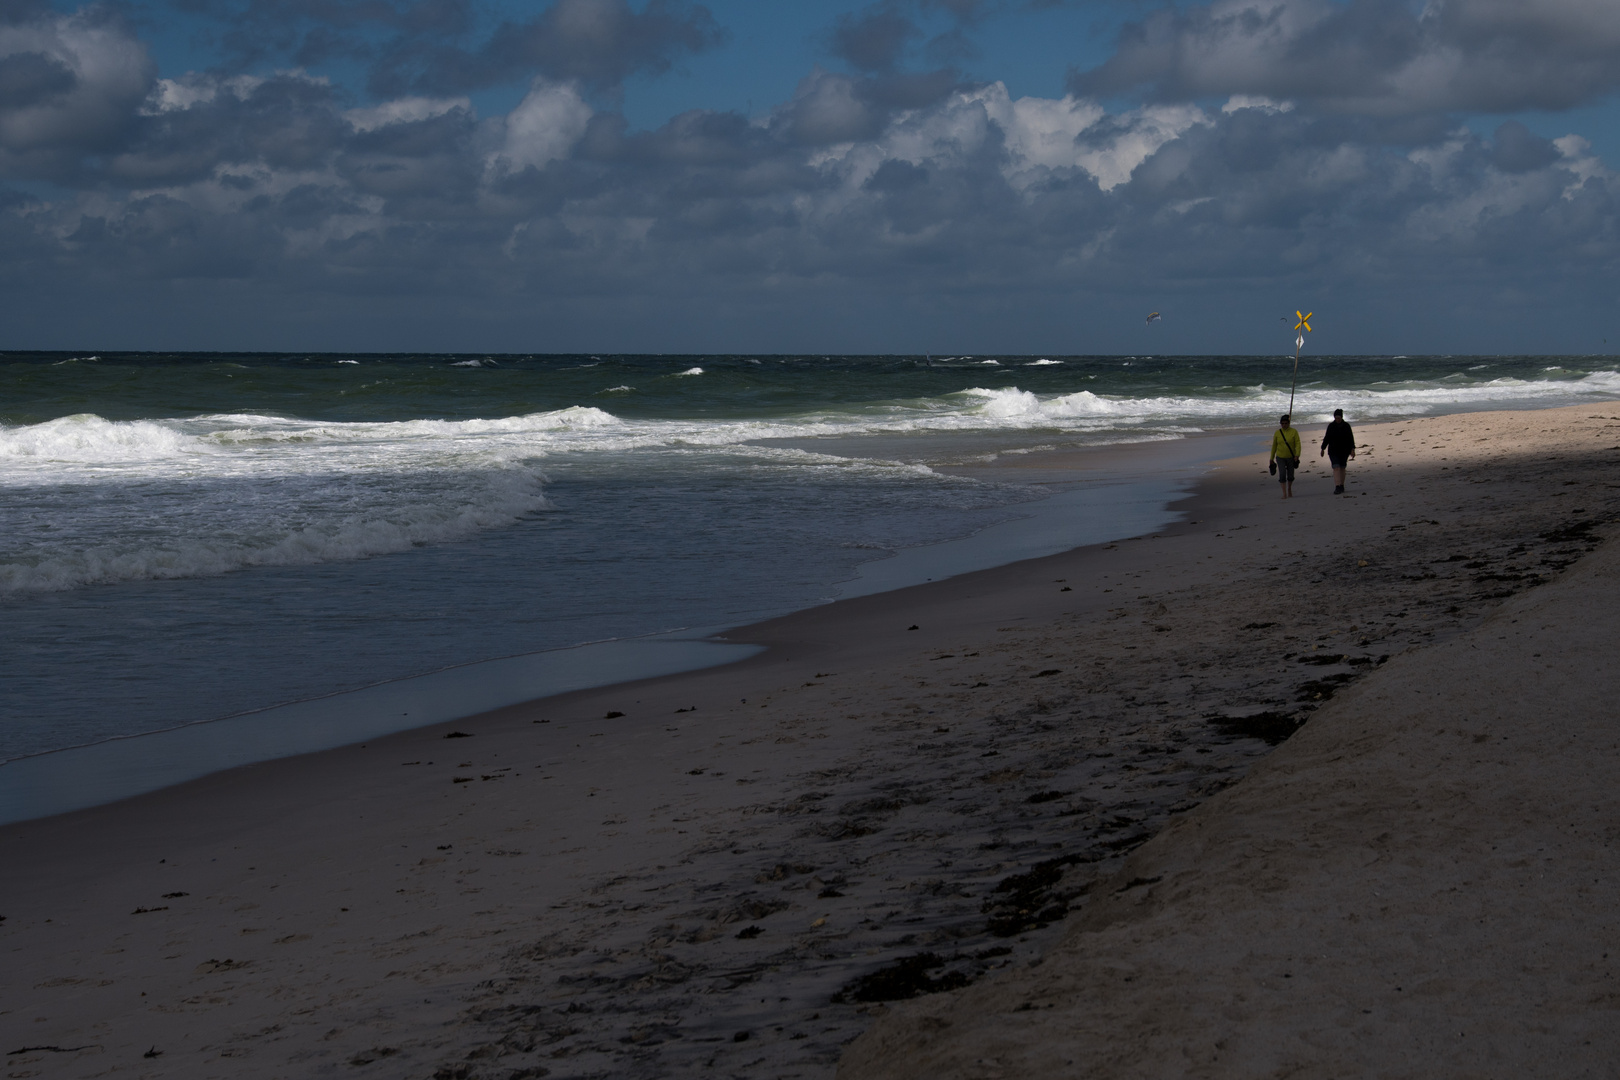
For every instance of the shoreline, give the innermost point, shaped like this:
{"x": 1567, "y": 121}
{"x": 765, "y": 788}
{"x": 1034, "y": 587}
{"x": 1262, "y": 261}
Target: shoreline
{"x": 582, "y": 899}
{"x": 1133, "y": 495}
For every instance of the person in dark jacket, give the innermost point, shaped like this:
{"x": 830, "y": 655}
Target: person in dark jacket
{"x": 1339, "y": 444}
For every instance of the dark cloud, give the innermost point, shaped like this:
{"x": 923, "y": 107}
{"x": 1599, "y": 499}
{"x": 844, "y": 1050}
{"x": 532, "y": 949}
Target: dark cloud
{"x": 70, "y": 87}
{"x": 1373, "y": 57}
{"x": 311, "y": 32}
{"x": 894, "y": 176}
{"x": 283, "y": 123}
{"x": 834, "y": 108}
{"x": 600, "y": 42}
{"x": 876, "y": 39}
{"x": 1516, "y": 149}
{"x": 434, "y": 46}
{"x": 873, "y": 40}
{"x": 16, "y": 12}
{"x": 31, "y": 78}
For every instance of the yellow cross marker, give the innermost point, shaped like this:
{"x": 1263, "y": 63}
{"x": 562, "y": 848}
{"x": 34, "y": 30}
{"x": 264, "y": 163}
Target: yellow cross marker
{"x": 1304, "y": 320}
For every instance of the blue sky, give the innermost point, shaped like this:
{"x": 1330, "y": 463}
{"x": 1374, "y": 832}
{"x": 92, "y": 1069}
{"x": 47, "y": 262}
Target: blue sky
{"x": 944, "y": 174}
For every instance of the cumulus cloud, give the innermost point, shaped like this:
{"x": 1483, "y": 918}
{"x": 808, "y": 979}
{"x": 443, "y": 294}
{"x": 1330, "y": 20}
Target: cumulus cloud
{"x": 545, "y": 126}
{"x": 975, "y": 171}
{"x": 878, "y": 191}
{"x": 1381, "y": 58}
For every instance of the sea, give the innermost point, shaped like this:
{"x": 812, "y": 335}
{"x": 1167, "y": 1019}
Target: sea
{"x": 309, "y": 543}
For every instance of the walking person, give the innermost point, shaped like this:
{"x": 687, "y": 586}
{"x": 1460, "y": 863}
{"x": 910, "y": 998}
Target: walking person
{"x": 1285, "y": 454}
{"x": 1339, "y": 444}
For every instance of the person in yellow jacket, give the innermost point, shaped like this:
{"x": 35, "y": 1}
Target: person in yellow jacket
{"x": 1285, "y": 454}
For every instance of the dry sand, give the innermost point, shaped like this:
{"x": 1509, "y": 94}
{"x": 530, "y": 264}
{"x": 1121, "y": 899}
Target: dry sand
{"x": 866, "y": 811}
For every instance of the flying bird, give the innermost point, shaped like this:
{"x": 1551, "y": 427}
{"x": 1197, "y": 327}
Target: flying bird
{"x": 1152, "y": 318}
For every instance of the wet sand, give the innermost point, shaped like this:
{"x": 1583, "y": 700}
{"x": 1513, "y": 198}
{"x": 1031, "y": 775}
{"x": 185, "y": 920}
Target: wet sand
{"x": 738, "y": 871}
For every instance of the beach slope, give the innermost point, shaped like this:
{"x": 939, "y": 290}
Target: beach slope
{"x": 1420, "y": 883}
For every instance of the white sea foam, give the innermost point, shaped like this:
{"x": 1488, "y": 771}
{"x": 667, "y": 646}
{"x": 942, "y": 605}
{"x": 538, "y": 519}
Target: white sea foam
{"x": 84, "y": 499}
{"x": 1042, "y": 362}
{"x": 87, "y": 437}
{"x": 688, "y": 371}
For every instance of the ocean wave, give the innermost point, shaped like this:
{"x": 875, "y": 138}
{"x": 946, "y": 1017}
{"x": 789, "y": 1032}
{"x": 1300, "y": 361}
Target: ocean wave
{"x": 270, "y": 525}
{"x": 90, "y": 500}
{"x": 87, "y": 437}
{"x": 1021, "y": 408}
{"x": 224, "y": 441}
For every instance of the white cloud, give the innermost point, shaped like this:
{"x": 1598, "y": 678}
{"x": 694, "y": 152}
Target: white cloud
{"x": 1040, "y": 135}
{"x": 405, "y": 110}
{"x": 545, "y": 125}
{"x": 1256, "y": 101}
{"x": 176, "y": 95}
{"x": 1579, "y": 159}
{"x": 1142, "y": 132}
{"x": 1041, "y": 132}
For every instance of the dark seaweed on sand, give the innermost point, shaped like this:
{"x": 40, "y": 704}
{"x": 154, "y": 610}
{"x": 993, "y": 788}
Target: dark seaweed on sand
{"x": 1030, "y": 900}
{"x": 905, "y": 978}
{"x": 1574, "y": 532}
{"x": 1325, "y": 687}
{"x": 1269, "y": 727}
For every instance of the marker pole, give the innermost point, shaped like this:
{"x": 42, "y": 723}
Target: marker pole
{"x": 1295, "y": 383}
{"x": 1300, "y": 330}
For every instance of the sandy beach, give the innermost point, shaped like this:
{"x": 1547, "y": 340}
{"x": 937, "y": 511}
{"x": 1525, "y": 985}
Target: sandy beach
{"x": 1062, "y": 800}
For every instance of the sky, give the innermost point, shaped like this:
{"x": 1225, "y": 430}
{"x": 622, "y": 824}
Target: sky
{"x": 948, "y": 176}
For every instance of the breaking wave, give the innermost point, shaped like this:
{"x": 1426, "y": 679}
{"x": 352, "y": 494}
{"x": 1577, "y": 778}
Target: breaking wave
{"x": 89, "y": 500}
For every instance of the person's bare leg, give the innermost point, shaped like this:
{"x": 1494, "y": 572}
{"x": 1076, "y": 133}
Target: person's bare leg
{"x": 1338, "y": 476}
